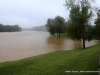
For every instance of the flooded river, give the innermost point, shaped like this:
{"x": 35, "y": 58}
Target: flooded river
{"x": 18, "y": 45}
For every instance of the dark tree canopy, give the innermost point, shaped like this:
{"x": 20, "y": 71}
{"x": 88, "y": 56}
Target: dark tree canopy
{"x": 56, "y": 25}
{"x": 79, "y": 19}
{"x": 9, "y": 28}
{"x": 50, "y": 26}
{"x": 59, "y": 23}
{"x": 97, "y": 26}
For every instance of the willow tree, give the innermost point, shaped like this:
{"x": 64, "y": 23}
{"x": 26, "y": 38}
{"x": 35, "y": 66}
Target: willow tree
{"x": 79, "y": 18}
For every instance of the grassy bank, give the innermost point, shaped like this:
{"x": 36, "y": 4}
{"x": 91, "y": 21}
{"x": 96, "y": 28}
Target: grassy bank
{"x": 62, "y": 35}
{"x": 55, "y": 63}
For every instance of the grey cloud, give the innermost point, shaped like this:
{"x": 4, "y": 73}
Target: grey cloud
{"x": 29, "y": 13}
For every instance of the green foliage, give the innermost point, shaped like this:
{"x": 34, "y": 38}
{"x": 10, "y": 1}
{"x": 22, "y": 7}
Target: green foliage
{"x": 50, "y": 26}
{"x": 59, "y": 24}
{"x": 97, "y": 27}
{"x": 55, "y": 63}
{"x": 8, "y": 28}
{"x": 90, "y": 32}
{"x": 1, "y": 28}
{"x": 56, "y": 25}
{"x": 79, "y": 19}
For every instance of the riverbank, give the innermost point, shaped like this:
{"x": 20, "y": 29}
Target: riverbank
{"x": 62, "y": 35}
{"x": 55, "y": 63}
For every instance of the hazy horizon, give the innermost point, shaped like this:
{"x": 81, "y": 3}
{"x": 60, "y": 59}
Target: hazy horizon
{"x": 31, "y": 13}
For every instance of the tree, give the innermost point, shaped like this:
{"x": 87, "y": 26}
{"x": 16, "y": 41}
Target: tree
{"x": 50, "y": 26}
{"x": 1, "y": 27}
{"x": 59, "y": 23}
{"x": 56, "y": 25}
{"x": 79, "y": 19}
{"x": 97, "y": 26}
{"x": 90, "y": 32}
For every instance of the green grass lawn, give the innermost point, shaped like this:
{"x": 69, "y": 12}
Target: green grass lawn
{"x": 55, "y": 63}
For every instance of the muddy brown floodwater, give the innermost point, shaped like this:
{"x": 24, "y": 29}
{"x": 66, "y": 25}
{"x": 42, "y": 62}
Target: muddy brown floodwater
{"x": 18, "y": 45}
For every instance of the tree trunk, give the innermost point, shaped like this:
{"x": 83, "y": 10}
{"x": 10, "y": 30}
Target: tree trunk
{"x": 83, "y": 43}
{"x": 59, "y": 35}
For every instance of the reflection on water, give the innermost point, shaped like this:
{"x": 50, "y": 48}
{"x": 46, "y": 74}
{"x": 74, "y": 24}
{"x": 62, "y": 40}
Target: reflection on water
{"x": 68, "y": 44}
{"x": 18, "y": 45}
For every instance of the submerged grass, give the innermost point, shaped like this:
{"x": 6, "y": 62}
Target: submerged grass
{"x": 55, "y": 63}
{"x": 62, "y": 35}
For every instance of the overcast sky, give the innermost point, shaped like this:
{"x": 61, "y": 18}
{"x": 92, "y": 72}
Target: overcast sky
{"x": 30, "y": 13}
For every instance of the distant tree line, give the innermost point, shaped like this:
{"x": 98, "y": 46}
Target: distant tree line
{"x": 9, "y": 28}
{"x": 36, "y": 28}
{"x": 39, "y": 28}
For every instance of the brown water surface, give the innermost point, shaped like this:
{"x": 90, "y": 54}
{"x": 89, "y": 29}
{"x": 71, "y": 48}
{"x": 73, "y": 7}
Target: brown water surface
{"x": 18, "y": 45}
